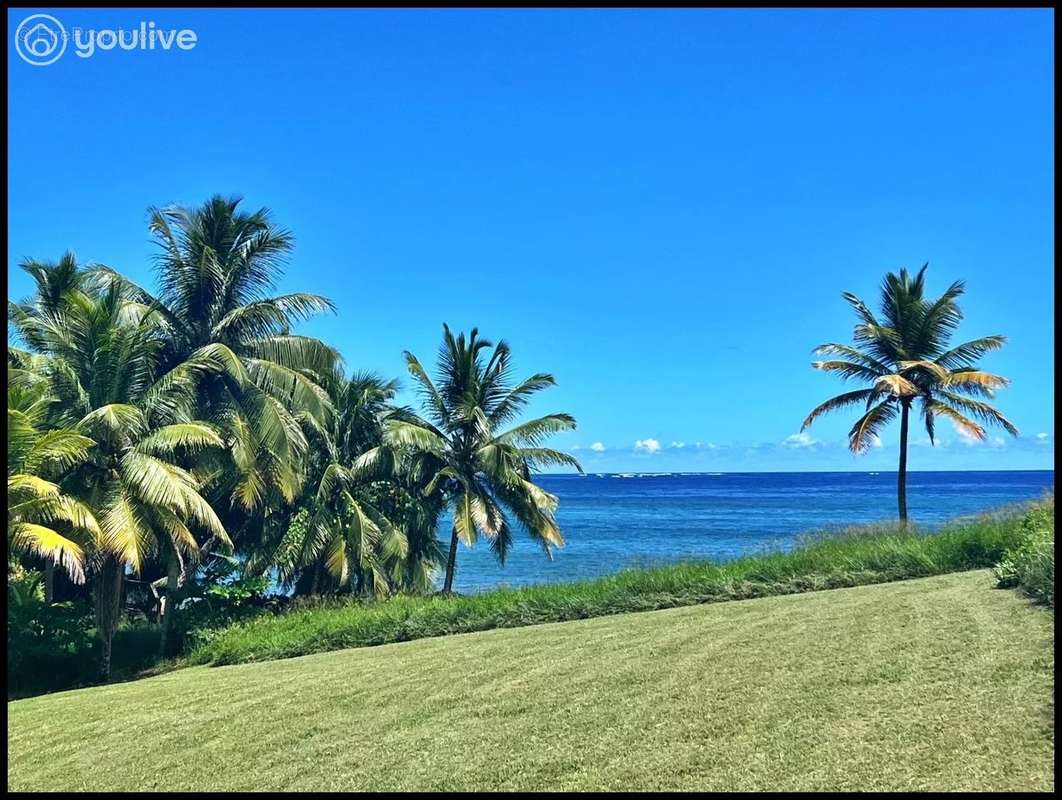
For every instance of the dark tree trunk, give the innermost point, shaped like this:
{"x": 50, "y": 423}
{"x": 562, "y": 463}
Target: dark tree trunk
{"x": 316, "y": 578}
{"x": 451, "y": 563}
{"x": 901, "y": 477}
{"x": 108, "y": 609}
{"x": 169, "y": 602}
{"x": 49, "y": 582}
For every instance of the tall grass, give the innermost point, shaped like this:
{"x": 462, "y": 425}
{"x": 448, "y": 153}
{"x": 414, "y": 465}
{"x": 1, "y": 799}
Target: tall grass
{"x": 826, "y": 561}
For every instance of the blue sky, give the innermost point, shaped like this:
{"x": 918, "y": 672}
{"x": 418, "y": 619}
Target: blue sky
{"x": 659, "y": 207}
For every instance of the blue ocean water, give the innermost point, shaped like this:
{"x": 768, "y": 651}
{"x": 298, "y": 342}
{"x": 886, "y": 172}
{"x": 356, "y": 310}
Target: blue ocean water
{"x": 615, "y": 521}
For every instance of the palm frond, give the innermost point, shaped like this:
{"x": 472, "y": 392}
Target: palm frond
{"x": 961, "y": 422}
{"x": 896, "y": 385}
{"x": 185, "y": 436}
{"x": 847, "y": 369}
{"x": 534, "y": 431}
{"x": 113, "y": 422}
{"x": 46, "y": 543}
{"x": 971, "y": 351}
{"x": 261, "y": 319}
{"x": 835, "y": 403}
{"x": 973, "y": 381}
{"x": 537, "y": 457}
{"x": 868, "y": 427}
{"x": 398, "y": 433}
{"x": 980, "y": 411}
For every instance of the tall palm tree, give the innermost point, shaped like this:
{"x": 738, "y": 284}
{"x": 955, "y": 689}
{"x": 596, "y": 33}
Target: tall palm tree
{"x": 460, "y": 454}
{"x": 100, "y": 356}
{"x": 32, "y": 409}
{"x": 216, "y": 268}
{"x": 906, "y": 357}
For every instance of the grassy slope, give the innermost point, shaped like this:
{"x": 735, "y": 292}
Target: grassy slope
{"x": 857, "y": 557}
{"x": 937, "y": 683}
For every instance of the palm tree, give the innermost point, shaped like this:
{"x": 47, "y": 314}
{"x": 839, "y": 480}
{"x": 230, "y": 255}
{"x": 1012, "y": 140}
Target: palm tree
{"x": 216, "y": 268}
{"x": 338, "y": 533}
{"x": 42, "y": 520}
{"x": 100, "y": 356}
{"x": 905, "y": 356}
{"x": 459, "y": 455}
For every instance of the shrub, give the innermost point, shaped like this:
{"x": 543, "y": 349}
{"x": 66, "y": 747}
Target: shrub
{"x": 1030, "y": 565}
{"x": 49, "y": 645}
{"x": 218, "y": 597}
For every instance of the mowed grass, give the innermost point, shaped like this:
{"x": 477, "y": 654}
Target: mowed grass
{"x": 936, "y": 683}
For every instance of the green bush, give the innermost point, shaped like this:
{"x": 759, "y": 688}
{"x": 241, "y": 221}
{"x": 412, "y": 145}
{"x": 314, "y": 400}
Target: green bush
{"x": 49, "y": 645}
{"x": 217, "y": 597}
{"x": 1030, "y": 564}
{"x": 52, "y": 647}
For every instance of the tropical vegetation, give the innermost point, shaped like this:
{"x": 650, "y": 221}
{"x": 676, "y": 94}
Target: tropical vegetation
{"x": 460, "y": 455}
{"x": 170, "y": 447}
{"x": 42, "y": 521}
{"x": 99, "y": 358}
{"x": 191, "y": 480}
{"x": 907, "y": 357}
{"x": 1030, "y": 563}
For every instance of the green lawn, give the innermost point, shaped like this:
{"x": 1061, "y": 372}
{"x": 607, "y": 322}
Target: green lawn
{"x": 936, "y": 683}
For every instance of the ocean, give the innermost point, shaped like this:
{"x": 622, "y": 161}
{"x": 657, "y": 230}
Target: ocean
{"x": 614, "y": 521}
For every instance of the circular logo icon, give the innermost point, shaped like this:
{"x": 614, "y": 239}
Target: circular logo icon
{"x": 40, "y": 40}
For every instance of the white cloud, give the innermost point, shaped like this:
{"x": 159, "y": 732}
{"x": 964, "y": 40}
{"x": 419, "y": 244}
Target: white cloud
{"x": 970, "y": 440}
{"x": 597, "y": 447}
{"x": 646, "y": 446}
{"x": 575, "y": 448}
{"x": 707, "y": 445}
{"x": 1043, "y": 437}
{"x": 798, "y": 440}
{"x": 924, "y": 442}
{"x": 678, "y": 445}
{"x": 875, "y": 441}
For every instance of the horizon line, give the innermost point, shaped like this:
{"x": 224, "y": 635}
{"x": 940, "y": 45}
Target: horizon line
{"x": 789, "y": 472}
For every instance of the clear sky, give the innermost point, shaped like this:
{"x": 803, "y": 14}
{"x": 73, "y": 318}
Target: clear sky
{"x": 659, "y": 207}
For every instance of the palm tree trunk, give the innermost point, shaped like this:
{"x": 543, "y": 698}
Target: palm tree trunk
{"x": 169, "y": 601}
{"x": 901, "y": 478}
{"x": 108, "y": 609}
{"x": 316, "y": 578}
{"x": 49, "y": 582}
{"x": 451, "y": 563}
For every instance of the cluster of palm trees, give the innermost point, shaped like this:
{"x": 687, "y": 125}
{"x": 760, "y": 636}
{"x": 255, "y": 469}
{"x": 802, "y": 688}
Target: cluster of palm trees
{"x": 148, "y": 432}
